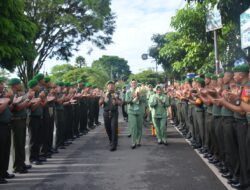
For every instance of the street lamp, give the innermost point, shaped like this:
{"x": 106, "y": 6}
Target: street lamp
{"x": 145, "y": 56}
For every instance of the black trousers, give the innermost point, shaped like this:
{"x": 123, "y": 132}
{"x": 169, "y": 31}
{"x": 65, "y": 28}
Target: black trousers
{"x": 230, "y": 144}
{"x": 241, "y": 127}
{"x": 35, "y": 126}
{"x": 51, "y": 123}
{"x": 19, "y": 138}
{"x": 76, "y": 119}
{"x": 45, "y": 131}
{"x": 5, "y": 141}
{"x": 111, "y": 126}
{"x": 60, "y": 129}
{"x": 124, "y": 112}
{"x": 83, "y": 117}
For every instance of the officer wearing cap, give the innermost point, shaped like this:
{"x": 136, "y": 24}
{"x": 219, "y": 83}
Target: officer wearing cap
{"x": 18, "y": 124}
{"x": 159, "y": 103}
{"x": 35, "y": 124}
{"x": 110, "y": 103}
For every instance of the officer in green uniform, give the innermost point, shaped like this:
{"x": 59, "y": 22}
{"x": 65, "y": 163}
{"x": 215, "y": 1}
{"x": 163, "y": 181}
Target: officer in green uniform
{"x": 59, "y": 117}
{"x": 18, "y": 124}
{"x": 84, "y": 107}
{"x": 159, "y": 103}
{"x": 240, "y": 126}
{"x": 5, "y": 134}
{"x": 110, "y": 104}
{"x": 35, "y": 124}
{"x": 124, "y": 107}
{"x": 149, "y": 94}
{"x": 135, "y": 110}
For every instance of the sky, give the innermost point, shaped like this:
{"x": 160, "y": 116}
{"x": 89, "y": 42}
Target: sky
{"x": 136, "y": 22}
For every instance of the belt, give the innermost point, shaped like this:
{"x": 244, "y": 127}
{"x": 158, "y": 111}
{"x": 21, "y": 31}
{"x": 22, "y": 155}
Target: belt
{"x": 18, "y": 118}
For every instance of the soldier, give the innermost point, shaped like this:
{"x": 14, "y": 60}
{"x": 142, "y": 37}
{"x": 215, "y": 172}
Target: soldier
{"x": 35, "y": 124}
{"x": 18, "y": 124}
{"x": 240, "y": 125}
{"x": 110, "y": 104}
{"x": 5, "y": 133}
{"x": 159, "y": 103}
{"x": 135, "y": 111}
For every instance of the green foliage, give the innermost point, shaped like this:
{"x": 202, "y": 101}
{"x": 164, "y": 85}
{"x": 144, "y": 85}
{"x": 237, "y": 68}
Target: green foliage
{"x": 63, "y": 26}
{"x": 58, "y": 71}
{"x": 148, "y": 76}
{"x": 115, "y": 67}
{"x": 87, "y": 74}
{"x": 16, "y": 35}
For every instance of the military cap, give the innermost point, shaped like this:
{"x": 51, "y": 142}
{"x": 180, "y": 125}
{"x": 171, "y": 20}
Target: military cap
{"x": 200, "y": 80}
{"x": 79, "y": 80}
{"x": 94, "y": 86}
{"x": 46, "y": 79}
{"x": 241, "y": 69}
{"x": 188, "y": 80}
{"x": 208, "y": 75}
{"x": 158, "y": 86}
{"x": 221, "y": 75}
{"x": 39, "y": 77}
{"x": 87, "y": 84}
{"x": 67, "y": 84}
{"x": 59, "y": 83}
{"x": 214, "y": 77}
{"x": 32, "y": 83}
{"x": 2, "y": 79}
{"x": 14, "y": 81}
{"x": 110, "y": 82}
{"x": 73, "y": 83}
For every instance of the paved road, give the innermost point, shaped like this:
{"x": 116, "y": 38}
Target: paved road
{"x": 87, "y": 164}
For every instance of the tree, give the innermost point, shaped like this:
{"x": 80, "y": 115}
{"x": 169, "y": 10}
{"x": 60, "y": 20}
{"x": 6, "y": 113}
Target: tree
{"x": 16, "y": 34}
{"x": 62, "y": 26}
{"x": 115, "y": 67}
{"x": 80, "y": 62}
{"x": 148, "y": 76}
{"x": 58, "y": 71}
{"x": 86, "y": 74}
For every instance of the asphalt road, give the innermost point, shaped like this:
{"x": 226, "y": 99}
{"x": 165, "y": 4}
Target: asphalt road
{"x": 88, "y": 164}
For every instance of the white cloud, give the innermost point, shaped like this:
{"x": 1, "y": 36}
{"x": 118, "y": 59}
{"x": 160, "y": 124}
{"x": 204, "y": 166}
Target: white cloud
{"x": 137, "y": 21}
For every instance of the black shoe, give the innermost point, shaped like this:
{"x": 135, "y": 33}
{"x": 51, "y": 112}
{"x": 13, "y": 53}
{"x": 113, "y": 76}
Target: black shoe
{"x": 36, "y": 162}
{"x": 160, "y": 142}
{"x": 9, "y": 176}
{"x": 61, "y": 147}
{"x": 133, "y": 146}
{"x": 42, "y": 159}
{"x": 27, "y": 166}
{"x": 165, "y": 143}
{"x": 21, "y": 171}
{"x": 54, "y": 151}
{"x": 139, "y": 144}
{"x": 233, "y": 181}
{"x": 237, "y": 186}
{"x": 227, "y": 175}
{"x": 213, "y": 161}
{"x": 129, "y": 135}
{"x": 3, "y": 181}
{"x": 112, "y": 149}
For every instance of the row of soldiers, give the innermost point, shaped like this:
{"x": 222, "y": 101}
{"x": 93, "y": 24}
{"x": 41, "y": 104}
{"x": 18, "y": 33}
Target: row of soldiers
{"x": 214, "y": 114}
{"x": 72, "y": 107}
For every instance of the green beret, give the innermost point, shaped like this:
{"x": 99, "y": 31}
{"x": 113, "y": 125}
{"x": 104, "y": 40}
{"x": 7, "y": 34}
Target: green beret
{"x": 2, "y": 79}
{"x": 214, "y": 77}
{"x": 67, "y": 84}
{"x": 46, "y": 79}
{"x": 79, "y": 80}
{"x": 188, "y": 80}
{"x": 241, "y": 69}
{"x": 221, "y": 75}
{"x": 32, "y": 83}
{"x": 94, "y": 86}
{"x": 59, "y": 83}
{"x": 87, "y": 84}
{"x": 110, "y": 82}
{"x": 200, "y": 80}
{"x": 39, "y": 77}
{"x": 14, "y": 81}
{"x": 73, "y": 83}
{"x": 209, "y": 75}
